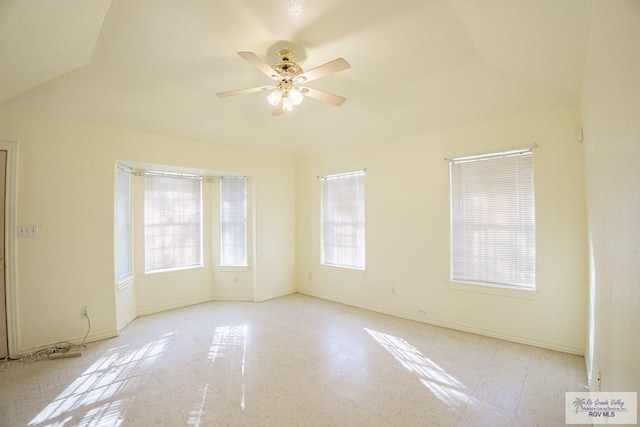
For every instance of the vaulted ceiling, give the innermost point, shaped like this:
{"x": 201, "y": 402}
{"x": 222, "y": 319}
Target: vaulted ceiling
{"x": 416, "y": 65}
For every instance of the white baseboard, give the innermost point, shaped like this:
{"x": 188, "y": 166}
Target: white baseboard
{"x": 239, "y": 298}
{"x": 78, "y": 340}
{"x": 265, "y": 297}
{"x": 450, "y": 325}
{"x": 159, "y": 309}
{"x": 126, "y": 322}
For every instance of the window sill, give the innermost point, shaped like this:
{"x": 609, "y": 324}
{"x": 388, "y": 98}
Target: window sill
{"x": 125, "y": 283}
{"x": 174, "y": 272}
{"x": 504, "y": 291}
{"x": 344, "y": 270}
{"x": 233, "y": 268}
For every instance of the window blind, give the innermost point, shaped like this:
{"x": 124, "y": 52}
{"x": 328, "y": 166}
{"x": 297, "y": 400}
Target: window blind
{"x": 343, "y": 228}
{"x": 123, "y": 225}
{"x": 493, "y": 219}
{"x": 233, "y": 222}
{"x": 172, "y": 222}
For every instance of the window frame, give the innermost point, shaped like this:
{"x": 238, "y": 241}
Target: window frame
{"x": 201, "y": 263}
{"x": 360, "y": 222}
{"x": 123, "y": 280}
{"x": 223, "y": 265}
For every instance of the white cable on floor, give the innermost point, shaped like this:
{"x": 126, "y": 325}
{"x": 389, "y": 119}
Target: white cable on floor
{"x": 57, "y": 348}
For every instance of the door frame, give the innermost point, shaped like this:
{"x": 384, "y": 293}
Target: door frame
{"x": 10, "y": 247}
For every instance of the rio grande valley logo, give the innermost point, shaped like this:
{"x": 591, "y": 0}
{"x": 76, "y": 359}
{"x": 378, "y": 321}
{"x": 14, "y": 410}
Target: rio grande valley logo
{"x": 601, "y": 408}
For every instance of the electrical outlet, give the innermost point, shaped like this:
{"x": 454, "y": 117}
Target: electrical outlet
{"x": 84, "y": 311}
{"x": 27, "y": 231}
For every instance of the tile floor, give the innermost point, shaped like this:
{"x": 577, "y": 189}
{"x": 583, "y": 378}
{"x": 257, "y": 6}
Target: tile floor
{"x": 292, "y": 361}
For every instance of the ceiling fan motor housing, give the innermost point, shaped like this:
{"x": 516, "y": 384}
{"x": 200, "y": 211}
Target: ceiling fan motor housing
{"x": 287, "y": 68}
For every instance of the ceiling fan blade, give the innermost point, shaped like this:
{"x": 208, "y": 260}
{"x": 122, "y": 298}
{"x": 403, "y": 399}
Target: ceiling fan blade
{"x": 278, "y": 109}
{"x": 330, "y": 67}
{"x": 260, "y": 64}
{"x": 242, "y": 91}
{"x": 323, "y": 96}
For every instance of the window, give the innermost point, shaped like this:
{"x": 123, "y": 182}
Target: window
{"x": 124, "y": 269}
{"x": 233, "y": 222}
{"x": 343, "y": 220}
{"x": 493, "y": 219}
{"x": 172, "y": 221}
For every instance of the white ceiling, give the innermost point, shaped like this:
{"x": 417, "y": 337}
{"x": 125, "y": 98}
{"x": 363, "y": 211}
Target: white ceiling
{"x": 416, "y": 65}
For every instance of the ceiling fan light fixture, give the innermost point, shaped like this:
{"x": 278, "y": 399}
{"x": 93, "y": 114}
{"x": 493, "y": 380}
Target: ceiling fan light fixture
{"x": 274, "y": 97}
{"x": 287, "y": 104}
{"x": 295, "y": 96}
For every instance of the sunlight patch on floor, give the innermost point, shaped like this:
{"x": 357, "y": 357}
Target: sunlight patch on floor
{"x": 98, "y": 387}
{"x": 227, "y": 340}
{"x": 442, "y": 384}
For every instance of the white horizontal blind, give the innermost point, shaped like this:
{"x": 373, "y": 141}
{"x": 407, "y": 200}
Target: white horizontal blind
{"x": 233, "y": 222}
{"x": 172, "y": 222}
{"x": 343, "y": 232}
{"x": 493, "y": 220}
{"x": 123, "y": 225}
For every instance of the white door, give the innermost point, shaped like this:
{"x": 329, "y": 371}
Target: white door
{"x": 4, "y": 348}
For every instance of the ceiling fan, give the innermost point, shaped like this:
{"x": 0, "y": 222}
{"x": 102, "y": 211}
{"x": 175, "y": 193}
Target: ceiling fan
{"x": 287, "y": 91}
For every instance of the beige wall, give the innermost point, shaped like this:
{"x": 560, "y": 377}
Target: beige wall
{"x": 611, "y": 117}
{"x": 407, "y": 232}
{"x": 65, "y": 179}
